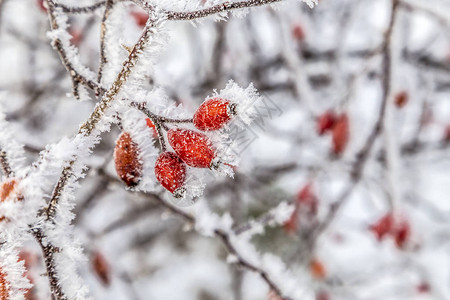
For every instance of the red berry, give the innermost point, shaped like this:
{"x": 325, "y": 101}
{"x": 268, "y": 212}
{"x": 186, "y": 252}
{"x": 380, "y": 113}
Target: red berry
{"x": 170, "y": 171}
{"x": 152, "y": 127}
{"x": 101, "y": 268}
{"x": 401, "y": 233}
{"x": 77, "y": 36}
{"x": 139, "y": 17}
{"x": 317, "y": 269}
{"x": 423, "y": 287}
{"x": 383, "y": 226}
{"x": 340, "y": 134}
{"x": 4, "y": 290}
{"x": 401, "y": 99}
{"x": 41, "y": 5}
{"x": 322, "y": 295}
{"x": 9, "y": 189}
{"x": 194, "y": 148}
{"x": 325, "y": 122}
{"x": 126, "y": 158}
{"x": 213, "y": 114}
{"x": 298, "y": 33}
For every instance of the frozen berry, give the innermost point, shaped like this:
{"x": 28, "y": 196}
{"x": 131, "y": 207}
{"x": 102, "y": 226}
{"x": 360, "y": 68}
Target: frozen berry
{"x": 194, "y": 148}
{"x": 170, "y": 171}
{"x": 213, "y": 114}
{"x": 126, "y": 158}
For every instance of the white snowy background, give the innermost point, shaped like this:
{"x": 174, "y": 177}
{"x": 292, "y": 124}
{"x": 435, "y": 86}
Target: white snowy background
{"x": 151, "y": 252}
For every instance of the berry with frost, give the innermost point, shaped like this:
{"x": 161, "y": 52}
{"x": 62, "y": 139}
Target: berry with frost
{"x": 194, "y": 148}
{"x": 170, "y": 171}
{"x": 213, "y": 114}
{"x": 126, "y": 158}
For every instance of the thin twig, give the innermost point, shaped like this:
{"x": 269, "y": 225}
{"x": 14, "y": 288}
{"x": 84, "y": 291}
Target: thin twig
{"x": 226, "y": 6}
{"x": 4, "y": 164}
{"x": 103, "y": 58}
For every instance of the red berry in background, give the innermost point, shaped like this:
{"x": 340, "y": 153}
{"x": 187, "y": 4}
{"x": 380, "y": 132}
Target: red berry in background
{"x": 446, "y": 137}
{"x": 383, "y": 226}
{"x": 126, "y": 158}
{"x": 140, "y": 17}
{"x": 401, "y": 99}
{"x": 322, "y": 295}
{"x": 317, "y": 269}
{"x": 325, "y": 122}
{"x": 77, "y": 36}
{"x": 101, "y": 268}
{"x": 170, "y": 171}
{"x": 401, "y": 233}
{"x": 152, "y": 127}
{"x": 423, "y": 287}
{"x": 213, "y": 114}
{"x": 307, "y": 200}
{"x": 41, "y": 5}
{"x": 4, "y": 291}
{"x": 298, "y": 33}
{"x": 273, "y": 296}
{"x": 9, "y": 189}
{"x": 194, "y": 148}
{"x": 340, "y": 134}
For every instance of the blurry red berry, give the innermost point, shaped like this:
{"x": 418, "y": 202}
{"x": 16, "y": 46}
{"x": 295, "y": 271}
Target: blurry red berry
{"x": 325, "y": 122}
{"x": 170, "y": 171}
{"x": 101, "y": 268}
{"x": 139, "y": 17}
{"x": 9, "y": 189}
{"x": 194, "y": 148}
{"x": 307, "y": 200}
{"x": 322, "y": 295}
{"x": 446, "y": 137}
{"x": 152, "y": 127}
{"x": 401, "y": 99}
{"x": 317, "y": 269}
{"x": 291, "y": 225}
{"x": 298, "y": 33}
{"x": 4, "y": 290}
{"x": 423, "y": 287}
{"x": 41, "y": 5}
{"x": 273, "y": 296}
{"x": 126, "y": 158}
{"x": 213, "y": 114}
{"x": 340, "y": 134}
{"x": 383, "y": 226}
{"x": 77, "y": 36}
{"x": 401, "y": 233}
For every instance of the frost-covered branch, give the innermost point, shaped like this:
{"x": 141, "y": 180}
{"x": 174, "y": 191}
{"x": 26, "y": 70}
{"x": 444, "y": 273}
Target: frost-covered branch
{"x": 81, "y": 9}
{"x": 4, "y": 163}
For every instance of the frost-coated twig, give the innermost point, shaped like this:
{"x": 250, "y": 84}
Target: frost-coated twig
{"x": 103, "y": 59}
{"x": 48, "y": 252}
{"x": 4, "y": 164}
{"x": 226, "y": 6}
{"x": 75, "y": 74}
{"x": 81, "y": 9}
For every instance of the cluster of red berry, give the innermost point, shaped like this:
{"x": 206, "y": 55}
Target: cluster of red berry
{"x": 190, "y": 148}
{"x": 395, "y": 226}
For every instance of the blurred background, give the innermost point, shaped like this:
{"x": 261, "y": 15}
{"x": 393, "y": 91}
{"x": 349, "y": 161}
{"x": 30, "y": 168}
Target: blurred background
{"x": 369, "y": 180}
